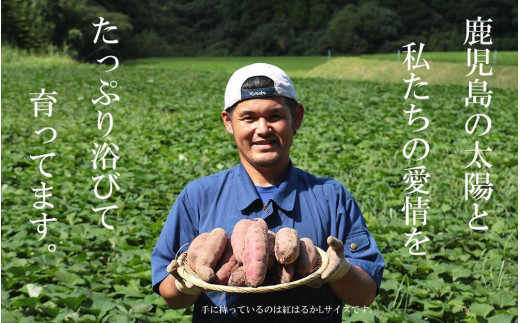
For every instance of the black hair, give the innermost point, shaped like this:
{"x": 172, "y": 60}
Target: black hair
{"x": 258, "y": 82}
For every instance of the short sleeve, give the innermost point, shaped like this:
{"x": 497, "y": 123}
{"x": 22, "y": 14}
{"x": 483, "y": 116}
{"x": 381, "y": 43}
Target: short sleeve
{"x": 178, "y": 231}
{"x": 360, "y": 246}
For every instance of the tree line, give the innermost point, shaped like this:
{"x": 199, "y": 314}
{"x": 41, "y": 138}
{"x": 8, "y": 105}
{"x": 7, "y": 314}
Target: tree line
{"x": 251, "y": 27}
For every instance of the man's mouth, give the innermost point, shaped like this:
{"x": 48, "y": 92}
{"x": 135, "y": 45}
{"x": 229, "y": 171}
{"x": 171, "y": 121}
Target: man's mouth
{"x": 267, "y": 143}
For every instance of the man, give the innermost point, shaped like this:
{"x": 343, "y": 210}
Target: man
{"x": 263, "y": 114}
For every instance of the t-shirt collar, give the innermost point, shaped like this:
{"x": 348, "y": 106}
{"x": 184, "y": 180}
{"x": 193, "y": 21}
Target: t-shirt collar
{"x": 286, "y": 194}
{"x": 284, "y": 197}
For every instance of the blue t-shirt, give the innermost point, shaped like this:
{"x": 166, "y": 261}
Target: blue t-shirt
{"x": 315, "y": 207}
{"x": 266, "y": 192}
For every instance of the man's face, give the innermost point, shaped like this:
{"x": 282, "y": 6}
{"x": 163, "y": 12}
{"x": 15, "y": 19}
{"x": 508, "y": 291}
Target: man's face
{"x": 263, "y": 130}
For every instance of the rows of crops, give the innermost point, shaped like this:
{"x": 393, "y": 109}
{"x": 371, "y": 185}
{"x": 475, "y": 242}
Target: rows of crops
{"x": 168, "y": 128}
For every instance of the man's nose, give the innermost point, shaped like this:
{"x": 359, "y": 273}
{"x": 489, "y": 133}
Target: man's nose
{"x": 263, "y": 127}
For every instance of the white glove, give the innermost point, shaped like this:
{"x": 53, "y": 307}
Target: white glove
{"x": 183, "y": 286}
{"x": 338, "y": 265}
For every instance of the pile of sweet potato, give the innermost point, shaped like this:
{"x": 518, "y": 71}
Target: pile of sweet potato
{"x": 253, "y": 256}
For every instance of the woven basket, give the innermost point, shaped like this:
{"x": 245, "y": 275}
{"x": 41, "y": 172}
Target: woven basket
{"x": 189, "y": 275}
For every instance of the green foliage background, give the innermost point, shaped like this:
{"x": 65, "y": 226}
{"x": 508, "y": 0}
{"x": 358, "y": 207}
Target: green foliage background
{"x": 169, "y": 131}
{"x": 250, "y": 27}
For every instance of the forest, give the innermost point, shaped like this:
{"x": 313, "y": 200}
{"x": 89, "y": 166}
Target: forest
{"x": 162, "y": 28}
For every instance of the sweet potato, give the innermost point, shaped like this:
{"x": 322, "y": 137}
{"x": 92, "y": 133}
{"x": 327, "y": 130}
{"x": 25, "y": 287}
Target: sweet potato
{"x": 271, "y": 236}
{"x": 226, "y": 265}
{"x": 307, "y": 259}
{"x": 238, "y": 239}
{"x": 287, "y": 246}
{"x": 209, "y": 254}
{"x": 283, "y": 273}
{"x": 193, "y": 250}
{"x": 255, "y": 256}
{"x": 238, "y": 277}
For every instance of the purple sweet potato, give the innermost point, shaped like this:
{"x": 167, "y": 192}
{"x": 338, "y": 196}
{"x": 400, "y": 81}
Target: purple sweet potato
{"x": 283, "y": 273}
{"x": 209, "y": 254}
{"x": 238, "y": 239}
{"x": 238, "y": 277}
{"x": 287, "y": 246}
{"x": 226, "y": 265}
{"x": 271, "y": 236}
{"x": 193, "y": 250}
{"x": 256, "y": 257}
{"x": 307, "y": 259}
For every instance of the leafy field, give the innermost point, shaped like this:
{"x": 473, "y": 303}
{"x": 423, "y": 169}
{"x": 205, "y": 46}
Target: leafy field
{"x": 443, "y": 71}
{"x": 445, "y": 68}
{"x": 168, "y": 128}
{"x": 502, "y": 58}
{"x": 295, "y": 66}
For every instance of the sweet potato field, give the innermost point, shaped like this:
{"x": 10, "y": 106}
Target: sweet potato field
{"x": 168, "y": 129}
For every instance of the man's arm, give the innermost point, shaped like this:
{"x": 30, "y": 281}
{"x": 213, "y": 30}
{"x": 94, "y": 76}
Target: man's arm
{"x": 360, "y": 284}
{"x": 356, "y": 288}
{"x": 351, "y": 283}
{"x": 172, "y": 296}
{"x": 176, "y": 233}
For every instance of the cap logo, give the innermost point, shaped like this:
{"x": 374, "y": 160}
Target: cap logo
{"x": 258, "y": 93}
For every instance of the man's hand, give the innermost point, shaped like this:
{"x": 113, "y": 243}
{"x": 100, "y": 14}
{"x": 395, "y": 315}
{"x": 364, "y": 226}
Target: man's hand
{"x": 338, "y": 265}
{"x": 183, "y": 286}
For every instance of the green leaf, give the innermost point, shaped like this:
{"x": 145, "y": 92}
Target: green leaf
{"x": 87, "y": 318}
{"x": 33, "y": 290}
{"x": 414, "y": 317}
{"x": 445, "y": 208}
{"x": 11, "y": 281}
{"x": 503, "y": 299}
{"x": 481, "y": 310}
{"x": 73, "y": 301}
{"x": 29, "y": 302}
{"x": 456, "y": 305}
{"x": 366, "y": 316}
{"x": 74, "y": 316}
{"x": 500, "y": 318}
{"x": 17, "y": 271}
{"x": 459, "y": 272}
{"x": 499, "y": 226}
{"x": 50, "y": 310}
{"x": 141, "y": 308}
{"x": 433, "y": 308}
{"x": 175, "y": 316}
{"x": 102, "y": 306}
{"x": 128, "y": 290}
{"x": 68, "y": 278}
{"x": 115, "y": 318}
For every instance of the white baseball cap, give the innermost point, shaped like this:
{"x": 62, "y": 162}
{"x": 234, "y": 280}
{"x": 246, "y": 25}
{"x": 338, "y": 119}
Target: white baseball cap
{"x": 282, "y": 84}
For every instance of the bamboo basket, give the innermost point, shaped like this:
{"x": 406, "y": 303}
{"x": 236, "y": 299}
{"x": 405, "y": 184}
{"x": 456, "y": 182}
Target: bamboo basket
{"x": 189, "y": 275}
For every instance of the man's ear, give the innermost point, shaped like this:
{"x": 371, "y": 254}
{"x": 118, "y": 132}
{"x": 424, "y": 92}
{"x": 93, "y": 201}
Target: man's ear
{"x": 299, "y": 111}
{"x": 227, "y": 122}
